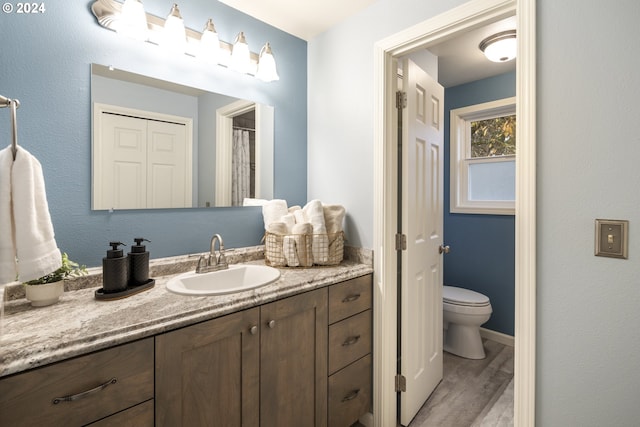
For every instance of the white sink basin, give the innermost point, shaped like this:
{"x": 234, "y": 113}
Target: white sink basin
{"x": 236, "y": 278}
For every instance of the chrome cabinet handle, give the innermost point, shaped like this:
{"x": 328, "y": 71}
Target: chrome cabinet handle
{"x": 271, "y": 324}
{"x": 444, "y": 249}
{"x": 351, "y": 340}
{"x": 253, "y": 330}
{"x": 350, "y": 298}
{"x": 351, "y": 396}
{"x": 79, "y": 396}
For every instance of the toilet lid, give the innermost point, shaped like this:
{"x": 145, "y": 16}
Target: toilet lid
{"x": 466, "y": 297}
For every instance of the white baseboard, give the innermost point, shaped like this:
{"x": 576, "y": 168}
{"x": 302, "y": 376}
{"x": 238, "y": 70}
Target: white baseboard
{"x": 498, "y": 337}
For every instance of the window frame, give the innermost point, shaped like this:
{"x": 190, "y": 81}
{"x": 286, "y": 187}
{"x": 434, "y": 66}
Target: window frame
{"x": 460, "y": 157}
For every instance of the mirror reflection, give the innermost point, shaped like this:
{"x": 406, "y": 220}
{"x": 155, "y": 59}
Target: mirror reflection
{"x": 157, "y": 144}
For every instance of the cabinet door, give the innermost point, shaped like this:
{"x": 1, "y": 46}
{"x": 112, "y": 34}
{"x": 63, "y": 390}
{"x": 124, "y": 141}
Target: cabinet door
{"x": 207, "y": 374}
{"x": 293, "y": 373}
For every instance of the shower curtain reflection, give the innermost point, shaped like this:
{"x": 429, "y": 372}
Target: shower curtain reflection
{"x": 241, "y": 167}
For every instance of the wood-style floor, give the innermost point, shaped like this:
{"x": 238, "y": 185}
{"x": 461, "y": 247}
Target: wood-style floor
{"x": 477, "y": 393}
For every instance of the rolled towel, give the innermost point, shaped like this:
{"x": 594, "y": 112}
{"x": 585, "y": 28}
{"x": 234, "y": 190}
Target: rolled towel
{"x": 289, "y": 251}
{"x": 273, "y": 211}
{"x": 302, "y": 234}
{"x": 333, "y": 218}
{"x": 300, "y": 218}
{"x": 314, "y": 213}
{"x": 290, "y": 221}
{"x": 292, "y": 209}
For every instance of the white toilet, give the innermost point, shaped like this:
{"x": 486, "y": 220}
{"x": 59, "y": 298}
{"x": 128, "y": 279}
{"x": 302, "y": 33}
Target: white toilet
{"x": 463, "y": 312}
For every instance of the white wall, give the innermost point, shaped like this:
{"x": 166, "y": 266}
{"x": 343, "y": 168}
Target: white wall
{"x": 589, "y": 147}
{"x": 588, "y": 359}
{"x": 340, "y": 94}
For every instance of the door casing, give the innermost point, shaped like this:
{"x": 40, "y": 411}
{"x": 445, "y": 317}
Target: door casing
{"x": 455, "y": 21}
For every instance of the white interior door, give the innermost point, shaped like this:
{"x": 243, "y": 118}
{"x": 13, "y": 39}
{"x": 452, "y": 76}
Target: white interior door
{"x": 122, "y": 177}
{"x": 167, "y": 174}
{"x": 422, "y": 217}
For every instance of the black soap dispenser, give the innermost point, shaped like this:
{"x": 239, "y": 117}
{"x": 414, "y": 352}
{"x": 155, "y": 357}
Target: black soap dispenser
{"x": 138, "y": 263}
{"x": 115, "y": 269}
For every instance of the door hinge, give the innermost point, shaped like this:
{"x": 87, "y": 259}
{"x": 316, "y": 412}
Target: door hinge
{"x": 401, "y": 383}
{"x": 401, "y": 99}
{"x": 401, "y": 242}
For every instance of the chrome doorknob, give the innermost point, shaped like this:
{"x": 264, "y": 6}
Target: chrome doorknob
{"x": 271, "y": 324}
{"x": 444, "y": 249}
{"x": 253, "y": 330}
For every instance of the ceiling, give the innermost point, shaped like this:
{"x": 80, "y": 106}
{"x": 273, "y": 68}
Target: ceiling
{"x": 459, "y": 59}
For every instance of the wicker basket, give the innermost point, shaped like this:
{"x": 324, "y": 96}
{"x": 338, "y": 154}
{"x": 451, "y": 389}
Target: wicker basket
{"x": 303, "y": 250}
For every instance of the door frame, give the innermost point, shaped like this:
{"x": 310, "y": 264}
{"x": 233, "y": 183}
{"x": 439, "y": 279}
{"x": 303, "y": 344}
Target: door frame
{"x": 455, "y": 21}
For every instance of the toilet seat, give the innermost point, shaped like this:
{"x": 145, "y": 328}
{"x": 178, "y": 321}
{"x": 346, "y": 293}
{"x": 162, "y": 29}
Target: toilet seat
{"x": 463, "y": 297}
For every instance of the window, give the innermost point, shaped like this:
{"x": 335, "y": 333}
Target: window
{"x": 483, "y": 158}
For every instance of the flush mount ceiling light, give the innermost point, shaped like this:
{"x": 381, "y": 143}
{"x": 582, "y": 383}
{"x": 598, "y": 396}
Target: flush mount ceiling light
{"x": 172, "y": 34}
{"x": 500, "y": 47}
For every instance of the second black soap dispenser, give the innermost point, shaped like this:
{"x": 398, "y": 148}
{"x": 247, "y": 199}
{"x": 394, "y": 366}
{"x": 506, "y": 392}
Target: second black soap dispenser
{"x": 138, "y": 263}
{"x": 115, "y": 269}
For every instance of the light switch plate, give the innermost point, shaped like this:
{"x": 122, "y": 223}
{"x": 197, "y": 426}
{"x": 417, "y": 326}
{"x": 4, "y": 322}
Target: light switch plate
{"x": 612, "y": 238}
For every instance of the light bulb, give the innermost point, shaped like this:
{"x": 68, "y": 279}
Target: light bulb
{"x": 174, "y": 35}
{"x": 267, "y": 65}
{"x": 133, "y": 20}
{"x": 209, "y": 49}
{"x": 240, "y": 55}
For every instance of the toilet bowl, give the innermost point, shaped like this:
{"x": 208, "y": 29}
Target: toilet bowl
{"x": 463, "y": 313}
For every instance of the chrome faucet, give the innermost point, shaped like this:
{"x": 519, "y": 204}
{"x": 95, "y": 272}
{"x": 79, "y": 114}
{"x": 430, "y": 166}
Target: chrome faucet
{"x": 212, "y": 262}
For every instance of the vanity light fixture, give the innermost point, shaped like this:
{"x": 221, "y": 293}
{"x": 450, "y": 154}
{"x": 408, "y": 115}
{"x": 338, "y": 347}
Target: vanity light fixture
{"x": 172, "y": 32}
{"x": 174, "y": 36}
{"x": 209, "y": 48}
{"x": 500, "y": 47}
{"x": 240, "y": 56}
{"x": 267, "y": 65}
{"x": 133, "y": 20}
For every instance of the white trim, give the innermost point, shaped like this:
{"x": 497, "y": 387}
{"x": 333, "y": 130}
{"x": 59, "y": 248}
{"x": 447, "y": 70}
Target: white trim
{"x": 224, "y": 148}
{"x": 463, "y": 18}
{"x": 498, "y": 337}
{"x": 460, "y": 158}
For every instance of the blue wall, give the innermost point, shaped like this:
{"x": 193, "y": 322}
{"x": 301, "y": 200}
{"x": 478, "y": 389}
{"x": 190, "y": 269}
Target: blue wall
{"x": 45, "y": 63}
{"x": 482, "y": 256}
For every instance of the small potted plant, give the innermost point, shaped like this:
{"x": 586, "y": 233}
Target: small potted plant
{"x": 47, "y": 289}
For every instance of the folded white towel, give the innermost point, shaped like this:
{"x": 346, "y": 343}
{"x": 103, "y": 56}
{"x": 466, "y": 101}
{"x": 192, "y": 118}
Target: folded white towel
{"x": 253, "y": 202}
{"x": 273, "y": 211}
{"x": 273, "y": 243}
{"x": 292, "y": 209}
{"x": 34, "y": 240}
{"x": 289, "y": 251}
{"x": 300, "y": 218}
{"x": 314, "y": 213}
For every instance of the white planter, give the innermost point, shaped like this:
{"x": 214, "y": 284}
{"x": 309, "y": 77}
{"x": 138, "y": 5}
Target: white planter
{"x": 42, "y": 295}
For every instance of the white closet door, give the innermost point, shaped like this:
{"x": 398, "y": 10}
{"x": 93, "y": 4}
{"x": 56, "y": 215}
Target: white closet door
{"x": 122, "y": 155}
{"x": 168, "y": 185}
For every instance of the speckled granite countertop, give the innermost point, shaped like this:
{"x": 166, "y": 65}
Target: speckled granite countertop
{"x": 79, "y": 324}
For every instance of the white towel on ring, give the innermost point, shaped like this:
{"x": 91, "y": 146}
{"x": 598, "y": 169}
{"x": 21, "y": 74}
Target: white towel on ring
{"x": 27, "y": 220}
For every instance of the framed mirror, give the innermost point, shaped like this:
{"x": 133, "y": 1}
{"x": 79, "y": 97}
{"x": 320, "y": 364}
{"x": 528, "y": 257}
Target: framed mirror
{"x": 157, "y": 144}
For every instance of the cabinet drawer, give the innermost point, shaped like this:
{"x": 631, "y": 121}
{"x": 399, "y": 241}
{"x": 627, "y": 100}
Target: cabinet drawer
{"x": 348, "y": 298}
{"x": 349, "y": 340}
{"x": 127, "y": 371}
{"x": 350, "y": 393}
{"x": 139, "y": 416}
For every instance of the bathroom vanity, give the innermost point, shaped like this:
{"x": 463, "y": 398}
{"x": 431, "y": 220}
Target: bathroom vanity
{"x": 294, "y": 352}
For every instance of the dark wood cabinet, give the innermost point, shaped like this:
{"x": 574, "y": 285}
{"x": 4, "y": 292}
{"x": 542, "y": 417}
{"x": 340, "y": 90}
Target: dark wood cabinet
{"x": 207, "y": 374}
{"x": 293, "y": 361}
{"x": 265, "y": 366}
{"x": 82, "y": 390}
